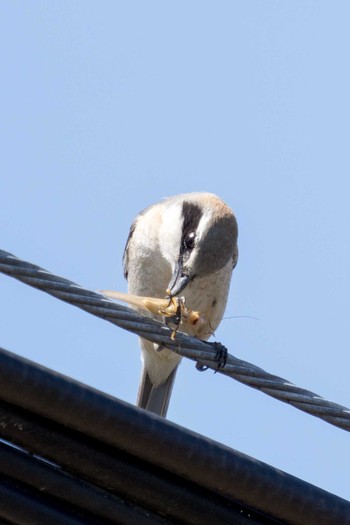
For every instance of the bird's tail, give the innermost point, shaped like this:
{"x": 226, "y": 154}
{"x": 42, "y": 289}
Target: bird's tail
{"x": 155, "y": 399}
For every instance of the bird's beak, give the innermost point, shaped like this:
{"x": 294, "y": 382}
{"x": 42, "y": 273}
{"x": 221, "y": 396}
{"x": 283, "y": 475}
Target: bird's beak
{"x": 178, "y": 281}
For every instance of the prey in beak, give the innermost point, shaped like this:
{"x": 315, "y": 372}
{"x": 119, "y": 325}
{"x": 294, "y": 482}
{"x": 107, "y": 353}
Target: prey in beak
{"x": 173, "y": 309}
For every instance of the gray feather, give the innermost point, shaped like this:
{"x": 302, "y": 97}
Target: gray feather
{"x": 155, "y": 399}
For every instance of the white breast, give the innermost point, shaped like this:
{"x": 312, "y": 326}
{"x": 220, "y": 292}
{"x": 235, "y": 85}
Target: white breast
{"x": 208, "y": 296}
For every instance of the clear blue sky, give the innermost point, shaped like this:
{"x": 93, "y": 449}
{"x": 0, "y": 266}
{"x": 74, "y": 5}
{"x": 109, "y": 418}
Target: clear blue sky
{"x": 106, "y": 107}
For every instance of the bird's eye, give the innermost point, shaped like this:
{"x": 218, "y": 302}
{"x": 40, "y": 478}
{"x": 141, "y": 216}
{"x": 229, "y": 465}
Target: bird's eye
{"x": 189, "y": 241}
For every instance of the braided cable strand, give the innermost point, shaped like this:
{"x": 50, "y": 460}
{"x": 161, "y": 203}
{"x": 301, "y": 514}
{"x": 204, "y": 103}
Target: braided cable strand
{"x": 203, "y": 353}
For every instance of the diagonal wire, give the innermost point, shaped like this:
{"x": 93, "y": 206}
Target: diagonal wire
{"x": 202, "y": 352}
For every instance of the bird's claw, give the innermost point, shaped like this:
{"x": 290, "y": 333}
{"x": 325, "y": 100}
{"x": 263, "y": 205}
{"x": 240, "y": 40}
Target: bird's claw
{"x": 220, "y": 358}
{"x": 221, "y": 355}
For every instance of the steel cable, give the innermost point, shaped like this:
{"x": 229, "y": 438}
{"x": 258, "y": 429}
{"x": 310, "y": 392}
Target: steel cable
{"x": 205, "y": 354}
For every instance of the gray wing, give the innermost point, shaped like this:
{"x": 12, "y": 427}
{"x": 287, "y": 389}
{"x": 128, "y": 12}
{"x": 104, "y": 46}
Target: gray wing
{"x": 126, "y": 249}
{"x": 127, "y": 244}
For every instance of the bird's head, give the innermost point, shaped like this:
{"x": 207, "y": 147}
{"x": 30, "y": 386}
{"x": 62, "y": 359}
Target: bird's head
{"x": 198, "y": 237}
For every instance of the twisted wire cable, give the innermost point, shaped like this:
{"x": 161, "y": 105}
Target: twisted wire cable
{"x": 203, "y": 353}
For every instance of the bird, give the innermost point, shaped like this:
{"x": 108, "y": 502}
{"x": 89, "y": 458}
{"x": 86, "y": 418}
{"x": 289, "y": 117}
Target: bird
{"x": 185, "y": 244}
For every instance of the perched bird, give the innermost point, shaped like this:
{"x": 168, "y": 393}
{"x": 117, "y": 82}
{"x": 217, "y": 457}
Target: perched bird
{"x": 186, "y": 244}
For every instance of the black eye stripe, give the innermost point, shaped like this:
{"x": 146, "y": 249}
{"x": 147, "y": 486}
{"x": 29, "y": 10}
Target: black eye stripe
{"x": 192, "y": 214}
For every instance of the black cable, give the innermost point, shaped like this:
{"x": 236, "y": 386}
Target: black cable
{"x": 109, "y": 443}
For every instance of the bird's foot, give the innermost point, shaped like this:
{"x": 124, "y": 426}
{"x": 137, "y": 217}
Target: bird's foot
{"x": 221, "y": 355}
{"x": 220, "y": 358}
